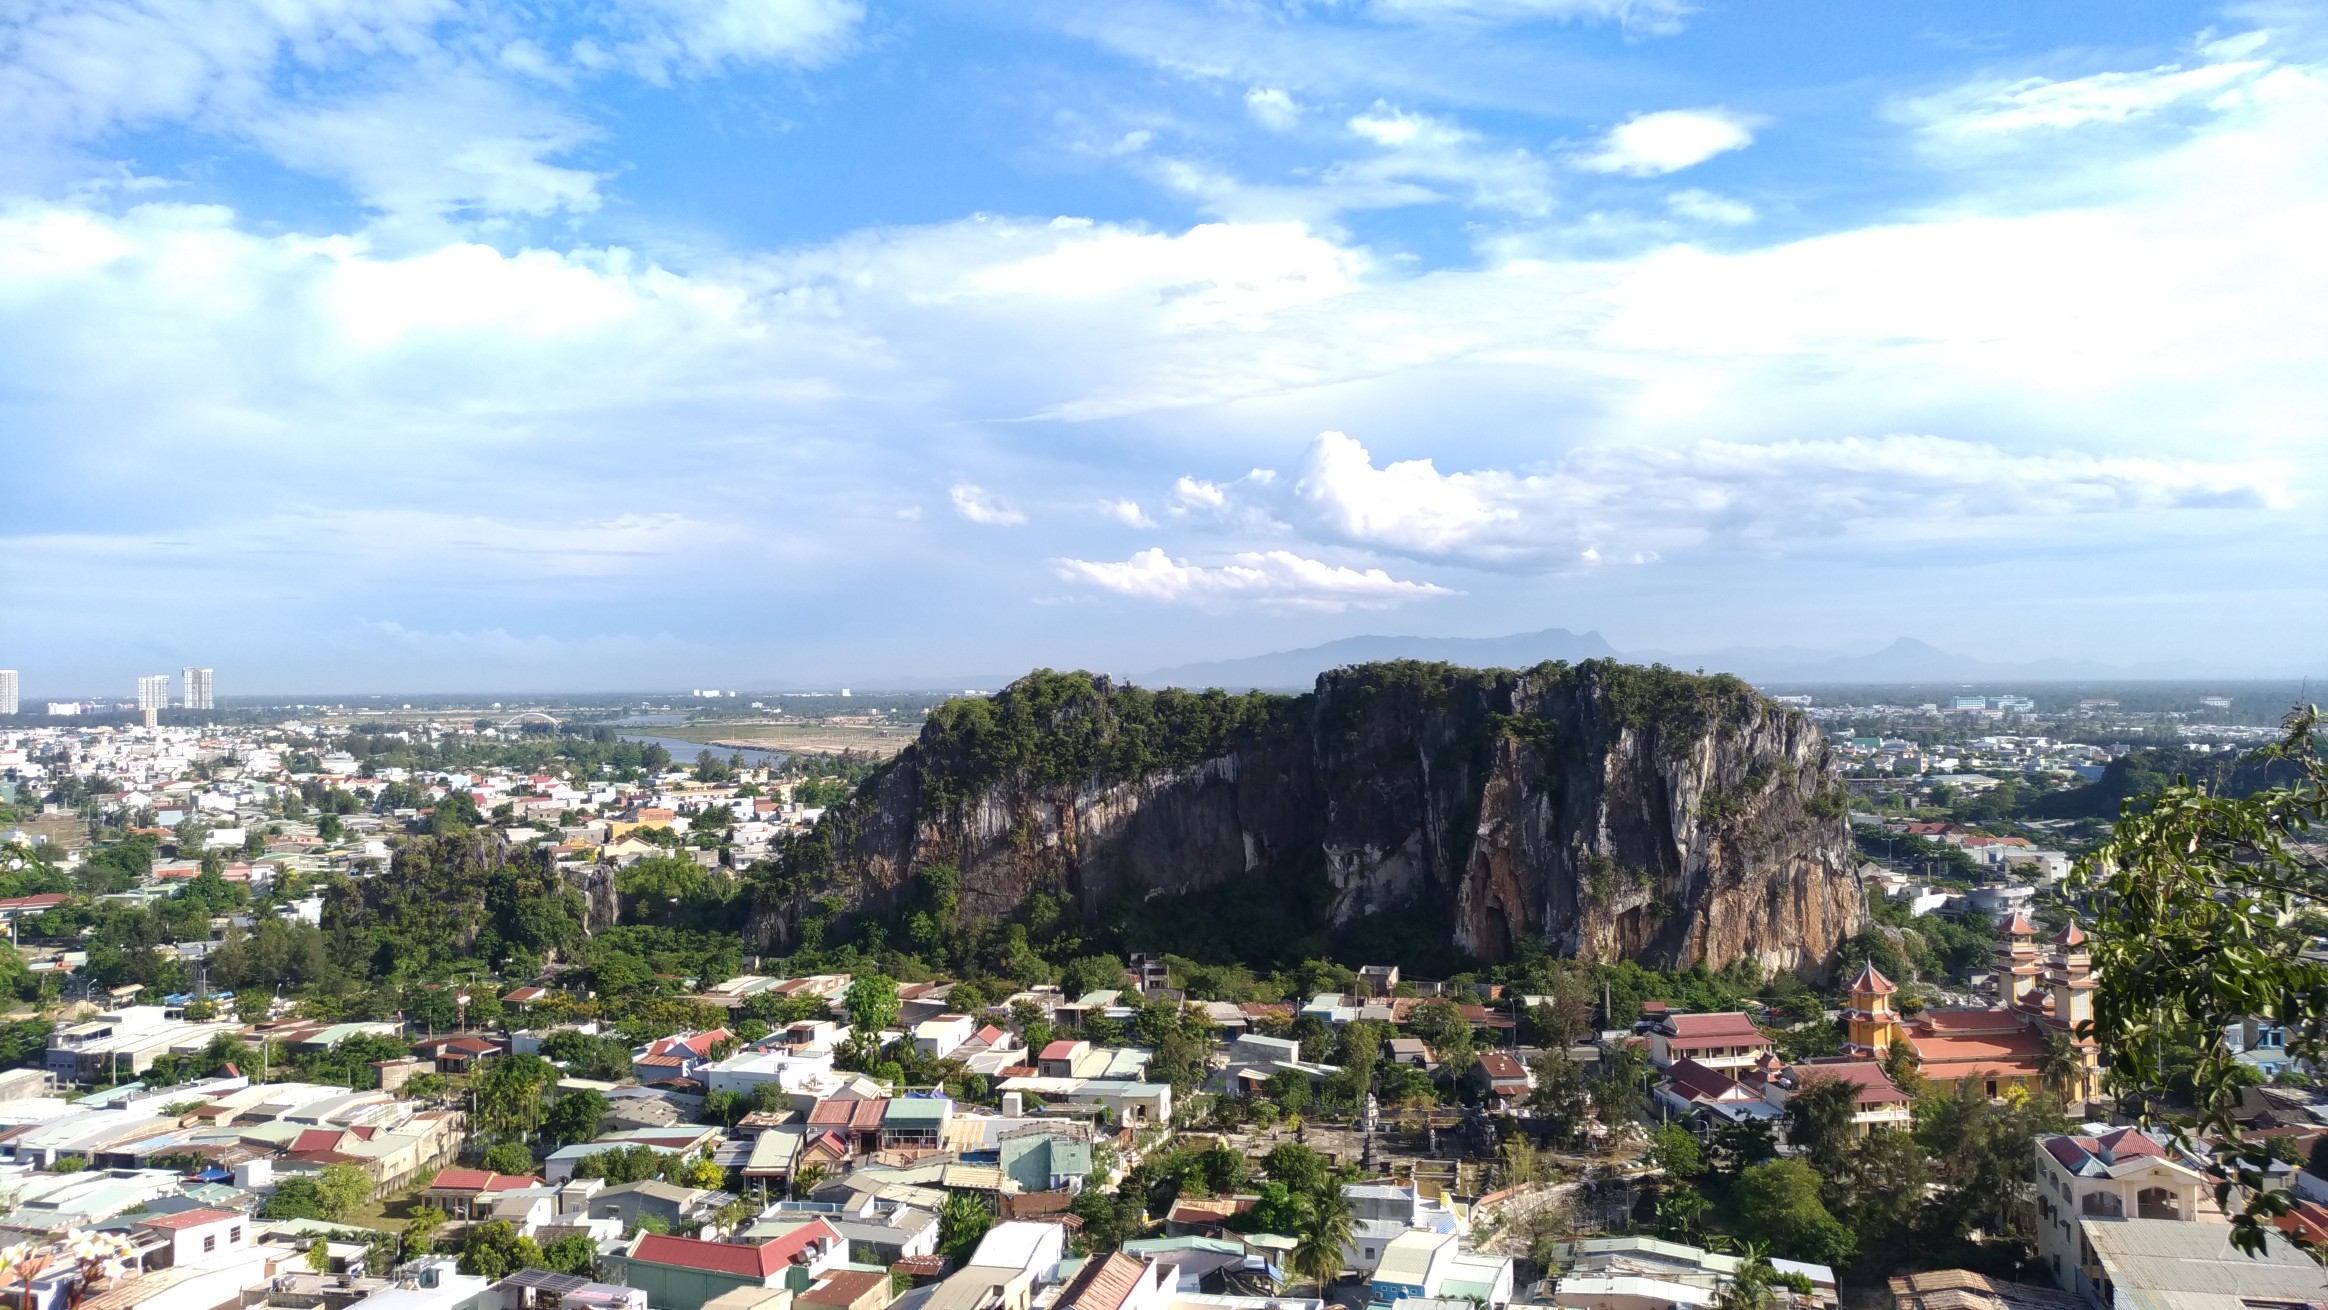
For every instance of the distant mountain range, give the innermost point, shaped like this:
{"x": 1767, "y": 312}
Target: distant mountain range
{"x": 1904, "y": 660}
{"x": 1300, "y": 668}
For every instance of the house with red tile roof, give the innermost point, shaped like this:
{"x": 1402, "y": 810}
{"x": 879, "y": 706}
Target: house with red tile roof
{"x": 1117, "y": 1282}
{"x": 1501, "y": 1077}
{"x": 1877, "y": 1103}
{"x": 677, "y": 1056}
{"x": 465, "y": 1193}
{"x": 1689, "y": 1087}
{"x": 1728, "y": 1040}
{"x": 848, "y": 1289}
{"x": 458, "y": 1053}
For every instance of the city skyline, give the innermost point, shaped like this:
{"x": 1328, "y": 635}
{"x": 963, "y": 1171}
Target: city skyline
{"x": 853, "y": 342}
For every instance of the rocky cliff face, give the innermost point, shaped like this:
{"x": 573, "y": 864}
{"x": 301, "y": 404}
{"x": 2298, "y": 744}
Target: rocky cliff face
{"x": 1611, "y": 811}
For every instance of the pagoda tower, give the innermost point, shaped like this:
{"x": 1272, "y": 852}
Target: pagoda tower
{"x": 2014, "y": 962}
{"x": 1872, "y": 1022}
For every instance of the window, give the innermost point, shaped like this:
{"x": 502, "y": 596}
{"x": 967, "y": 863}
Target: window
{"x": 234, "y": 1235}
{"x": 2157, "y": 1203}
{"x": 2106, "y": 1205}
{"x": 210, "y": 1243}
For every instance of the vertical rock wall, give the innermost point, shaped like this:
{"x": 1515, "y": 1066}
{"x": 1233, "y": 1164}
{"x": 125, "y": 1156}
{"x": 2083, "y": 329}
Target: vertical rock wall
{"x": 1613, "y": 812}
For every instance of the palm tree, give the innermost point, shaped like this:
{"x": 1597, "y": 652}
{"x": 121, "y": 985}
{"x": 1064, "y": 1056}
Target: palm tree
{"x": 1318, "y": 1255}
{"x": 1749, "y": 1288}
{"x": 2062, "y": 1066}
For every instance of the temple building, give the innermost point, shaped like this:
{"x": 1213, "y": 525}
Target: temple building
{"x": 2042, "y": 994}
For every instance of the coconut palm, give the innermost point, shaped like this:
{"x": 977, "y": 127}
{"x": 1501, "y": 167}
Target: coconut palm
{"x": 2061, "y": 1066}
{"x": 1318, "y": 1255}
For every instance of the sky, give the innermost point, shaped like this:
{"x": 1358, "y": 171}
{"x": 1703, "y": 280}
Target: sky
{"x": 377, "y": 345}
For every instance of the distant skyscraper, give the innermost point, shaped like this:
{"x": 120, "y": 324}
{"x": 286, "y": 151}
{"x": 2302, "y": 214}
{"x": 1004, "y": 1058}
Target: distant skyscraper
{"x": 197, "y": 689}
{"x": 7, "y": 691}
{"x": 154, "y": 693}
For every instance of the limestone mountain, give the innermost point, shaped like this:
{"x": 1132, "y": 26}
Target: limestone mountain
{"x": 1606, "y": 810}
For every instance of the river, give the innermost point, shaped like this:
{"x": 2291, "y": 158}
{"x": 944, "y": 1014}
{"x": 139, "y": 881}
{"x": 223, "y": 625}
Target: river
{"x": 684, "y": 752}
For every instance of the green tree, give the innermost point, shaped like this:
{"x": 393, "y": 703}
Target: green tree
{"x": 1442, "y": 1025}
{"x": 510, "y": 1090}
{"x": 1818, "y": 1119}
{"x": 872, "y": 1003}
{"x": 1223, "y": 1169}
{"x": 1285, "y": 1211}
{"x": 319, "y": 1256}
{"x": 572, "y": 1254}
{"x": 2060, "y": 1066}
{"x": 420, "y": 1230}
{"x": 508, "y": 1158}
{"x": 495, "y": 1250}
{"x": 961, "y": 1224}
{"x": 2196, "y": 892}
{"x": 1778, "y": 1205}
{"x": 1317, "y": 1254}
{"x": 1300, "y": 1168}
{"x": 574, "y": 1116}
{"x": 1677, "y": 1152}
{"x": 725, "y": 1107}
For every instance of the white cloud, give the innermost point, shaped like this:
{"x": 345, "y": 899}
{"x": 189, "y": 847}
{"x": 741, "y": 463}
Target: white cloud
{"x": 1641, "y": 502}
{"x": 459, "y": 143}
{"x": 1272, "y": 108}
{"x": 1992, "y": 111}
{"x": 1647, "y": 145}
{"x": 661, "y": 38}
{"x": 975, "y": 505}
{"x": 1655, "y": 16}
{"x": 1127, "y": 512}
{"x": 1707, "y": 207}
{"x": 1270, "y": 579}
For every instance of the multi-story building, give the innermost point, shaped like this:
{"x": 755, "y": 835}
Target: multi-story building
{"x": 197, "y": 688}
{"x": 8, "y": 692}
{"x": 153, "y": 693}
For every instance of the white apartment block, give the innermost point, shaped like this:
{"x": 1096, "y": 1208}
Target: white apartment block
{"x": 154, "y": 693}
{"x": 8, "y": 691}
{"x": 197, "y": 688}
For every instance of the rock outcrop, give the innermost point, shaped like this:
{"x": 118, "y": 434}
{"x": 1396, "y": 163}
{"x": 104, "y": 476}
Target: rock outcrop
{"x": 1608, "y": 810}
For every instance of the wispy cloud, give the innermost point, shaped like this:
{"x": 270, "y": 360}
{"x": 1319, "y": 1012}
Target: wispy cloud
{"x": 1641, "y": 502}
{"x": 974, "y": 504}
{"x": 1993, "y": 112}
{"x": 1267, "y": 579}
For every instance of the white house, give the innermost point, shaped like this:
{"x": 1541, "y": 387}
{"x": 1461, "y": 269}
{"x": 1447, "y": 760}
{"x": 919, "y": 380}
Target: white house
{"x": 939, "y": 1036}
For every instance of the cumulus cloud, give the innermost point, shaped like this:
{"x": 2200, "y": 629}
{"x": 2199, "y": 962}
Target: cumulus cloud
{"x": 1127, "y": 512}
{"x": 1277, "y": 579}
{"x": 1273, "y": 108}
{"x": 974, "y": 504}
{"x": 1647, "y": 145}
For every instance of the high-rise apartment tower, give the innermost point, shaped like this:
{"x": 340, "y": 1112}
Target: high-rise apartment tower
{"x": 197, "y": 689}
{"x": 154, "y": 693}
{"x": 8, "y": 691}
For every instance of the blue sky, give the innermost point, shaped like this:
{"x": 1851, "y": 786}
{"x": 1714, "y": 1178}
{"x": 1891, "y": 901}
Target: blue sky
{"x": 419, "y": 345}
